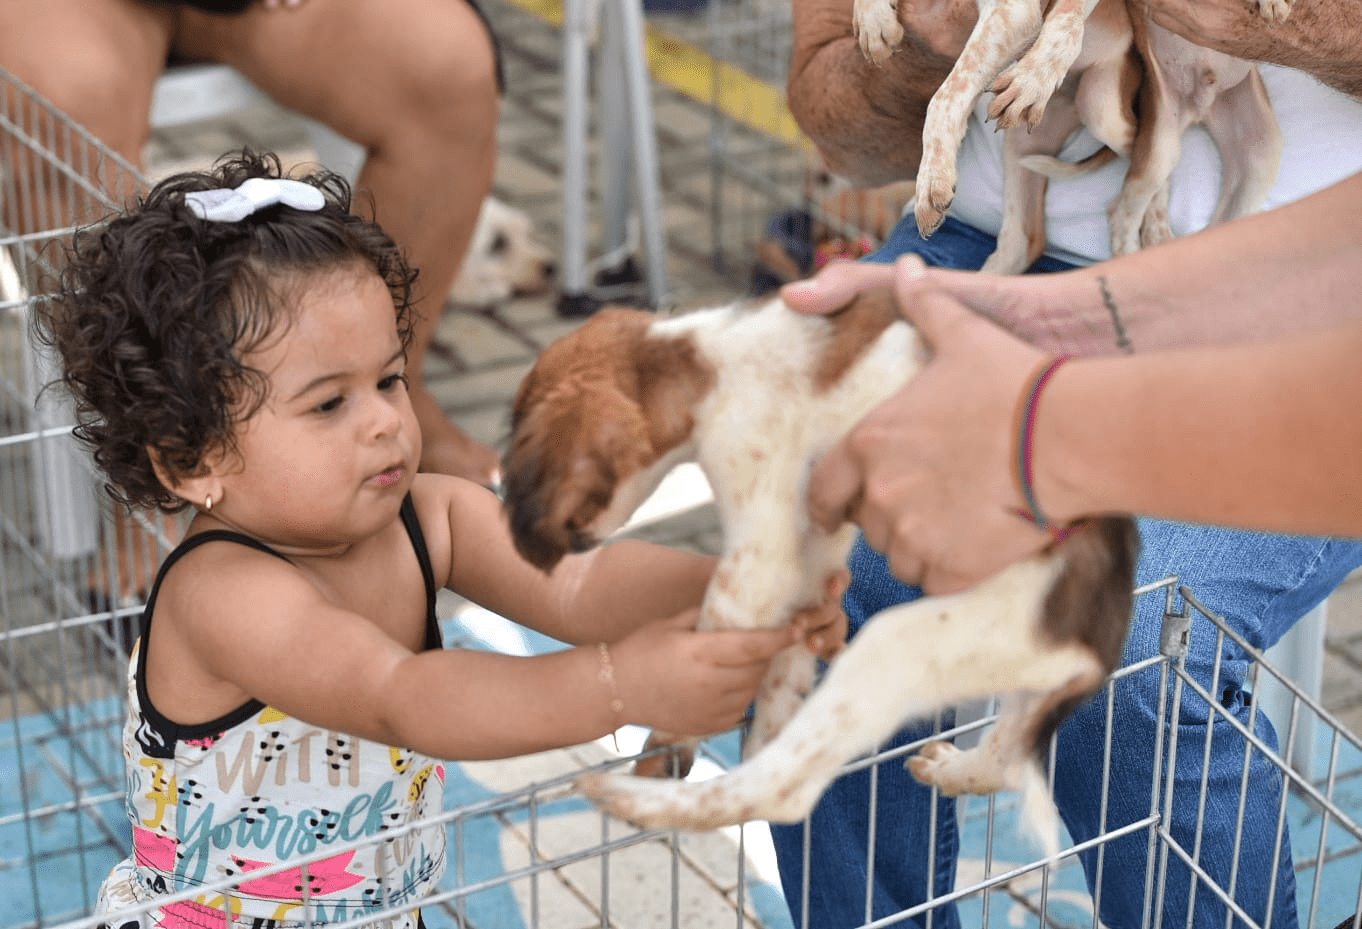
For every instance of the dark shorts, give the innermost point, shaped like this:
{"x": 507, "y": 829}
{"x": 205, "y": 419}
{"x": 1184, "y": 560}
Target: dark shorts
{"x": 231, "y": 7}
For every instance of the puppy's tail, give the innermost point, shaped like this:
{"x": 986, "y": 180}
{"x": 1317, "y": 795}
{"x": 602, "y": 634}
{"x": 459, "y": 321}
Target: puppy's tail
{"x": 1038, "y": 809}
{"x": 1058, "y": 168}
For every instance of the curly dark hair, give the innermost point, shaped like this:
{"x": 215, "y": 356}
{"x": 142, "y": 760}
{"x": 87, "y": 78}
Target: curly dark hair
{"x": 156, "y": 309}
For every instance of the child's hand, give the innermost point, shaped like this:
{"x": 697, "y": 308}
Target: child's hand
{"x": 824, "y": 627}
{"x": 674, "y": 678}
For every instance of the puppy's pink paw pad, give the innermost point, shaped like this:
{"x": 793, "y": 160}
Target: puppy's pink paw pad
{"x": 931, "y": 765}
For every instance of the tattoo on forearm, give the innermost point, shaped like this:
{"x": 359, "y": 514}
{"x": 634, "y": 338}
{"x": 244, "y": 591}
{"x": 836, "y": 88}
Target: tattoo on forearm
{"x": 1122, "y": 342}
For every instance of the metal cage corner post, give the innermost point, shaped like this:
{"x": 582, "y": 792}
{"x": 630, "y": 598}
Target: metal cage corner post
{"x": 628, "y": 160}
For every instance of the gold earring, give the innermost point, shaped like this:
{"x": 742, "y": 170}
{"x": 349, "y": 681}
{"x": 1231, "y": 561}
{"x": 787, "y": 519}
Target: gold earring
{"x": 208, "y": 503}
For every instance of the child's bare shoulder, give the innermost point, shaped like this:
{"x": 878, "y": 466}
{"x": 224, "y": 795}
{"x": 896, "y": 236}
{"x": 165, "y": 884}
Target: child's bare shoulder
{"x": 462, "y": 521}
{"x": 442, "y": 501}
{"x": 224, "y": 573}
{"x": 222, "y": 605}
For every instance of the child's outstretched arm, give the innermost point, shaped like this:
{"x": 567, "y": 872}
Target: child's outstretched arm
{"x": 601, "y": 595}
{"x": 664, "y": 675}
{"x": 234, "y": 624}
{"x": 297, "y": 651}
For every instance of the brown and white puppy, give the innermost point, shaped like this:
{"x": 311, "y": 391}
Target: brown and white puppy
{"x": 1098, "y": 92}
{"x": 1188, "y": 85}
{"x": 1084, "y": 63}
{"x": 503, "y": 259}
{"x": 755, "y": 395}
{"x": 1020, "y": 49}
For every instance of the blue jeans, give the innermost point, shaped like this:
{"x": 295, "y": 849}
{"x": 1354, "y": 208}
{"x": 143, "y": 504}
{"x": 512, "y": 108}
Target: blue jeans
{"x": 1260, "y": 583}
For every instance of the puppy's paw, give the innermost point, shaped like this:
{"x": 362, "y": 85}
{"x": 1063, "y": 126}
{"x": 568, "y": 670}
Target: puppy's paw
{"x": 653, "y": 804}
{"x": 1125, "y": 229}
{"x": 1274, "y": 11}
{"x": 935, "y": 192}
{"x": 1010, "y": 257}
{"x": 1156, "y": 227}
{"x": 1020, "y": 96}
{"x": 933, "y": 765}
{"x": 877, "y": 27}
{"x": 609, "y": 792}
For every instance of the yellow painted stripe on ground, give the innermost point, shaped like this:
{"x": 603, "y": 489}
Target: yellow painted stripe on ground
{"x": 550, "y": 11}
{"x": 690, "y": 71}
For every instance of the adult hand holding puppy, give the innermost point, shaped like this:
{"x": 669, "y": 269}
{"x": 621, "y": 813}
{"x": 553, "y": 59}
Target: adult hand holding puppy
{"x": 928, "y": 475}
{"x": 1249, "y": 433}
{"x": 1319, "y": 36}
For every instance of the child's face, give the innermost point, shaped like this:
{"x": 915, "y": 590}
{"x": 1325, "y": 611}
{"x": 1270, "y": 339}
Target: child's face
{"x": 334, "y": 448}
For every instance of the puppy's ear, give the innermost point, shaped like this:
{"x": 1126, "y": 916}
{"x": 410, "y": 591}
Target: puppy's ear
{"x": 608, "y": 453}
{"x": 531, "y": 475}
{"x": 672, "y": 378}
{"x": 568, "y": 453}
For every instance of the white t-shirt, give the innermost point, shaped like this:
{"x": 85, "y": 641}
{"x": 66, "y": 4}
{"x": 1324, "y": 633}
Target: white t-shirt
{"x": 1322, "y": 130}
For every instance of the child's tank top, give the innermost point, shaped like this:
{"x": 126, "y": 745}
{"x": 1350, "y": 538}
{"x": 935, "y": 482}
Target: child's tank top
{"x": 255, "y": 788}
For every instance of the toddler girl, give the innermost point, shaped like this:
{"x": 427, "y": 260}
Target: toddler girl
{"x": 235, "y": 343}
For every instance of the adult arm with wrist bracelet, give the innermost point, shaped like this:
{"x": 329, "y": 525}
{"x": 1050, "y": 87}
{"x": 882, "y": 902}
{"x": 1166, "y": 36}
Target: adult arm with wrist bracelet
{"x": 1241, "y": 426}
{"x": 1277, "y": 277}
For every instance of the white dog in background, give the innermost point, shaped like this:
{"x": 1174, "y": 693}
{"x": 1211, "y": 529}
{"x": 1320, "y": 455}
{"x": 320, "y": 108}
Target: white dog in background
{"x": 503, "y": 260}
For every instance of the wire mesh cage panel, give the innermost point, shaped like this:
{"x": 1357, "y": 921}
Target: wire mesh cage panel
{"x": 70, "y": 571}
{"x": 743, "y": 191}
{"x": 765, "y": 209}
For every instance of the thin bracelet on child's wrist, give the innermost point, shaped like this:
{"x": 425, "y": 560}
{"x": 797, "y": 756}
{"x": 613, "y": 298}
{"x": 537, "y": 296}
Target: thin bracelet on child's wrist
{"x": 605, "y": 673}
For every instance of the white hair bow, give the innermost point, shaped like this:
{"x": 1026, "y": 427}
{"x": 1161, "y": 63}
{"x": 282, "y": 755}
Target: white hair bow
{"x": 228, "y": 206}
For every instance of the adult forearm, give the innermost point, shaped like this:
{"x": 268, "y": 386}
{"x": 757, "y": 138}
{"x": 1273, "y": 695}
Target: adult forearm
{"x": 1263, "y": 436}
{"x": 866, "y": 120}
{"x": 1287, "y": 270}
{"x": 1321, "y": 37}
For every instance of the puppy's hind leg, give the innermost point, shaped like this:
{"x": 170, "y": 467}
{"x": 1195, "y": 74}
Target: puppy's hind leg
{"x": 1105, "y": 99}
{"x": 1021, "y": 237}
{"x": 1003, "y": 29}
{"x": 1008, "y": 758}
{"x": 1155, "y": 150}
{"x": 1244, "y": 127}
{"x": 983, "y": 640}
{"x": 1153, "y": 157}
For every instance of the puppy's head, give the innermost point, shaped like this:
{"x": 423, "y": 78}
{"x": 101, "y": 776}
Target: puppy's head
{"x": 596, "y": 424}
{"x": 503, "y": 259}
